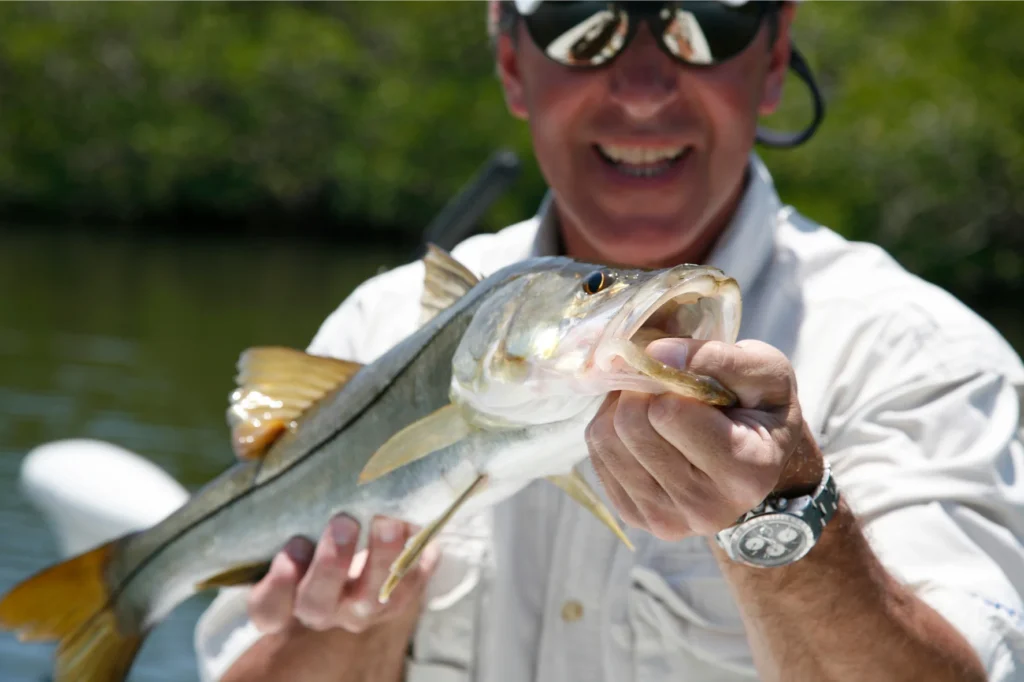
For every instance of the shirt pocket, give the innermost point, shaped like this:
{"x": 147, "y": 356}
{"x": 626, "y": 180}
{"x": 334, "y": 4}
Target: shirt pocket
{"x": 684, "y": 622}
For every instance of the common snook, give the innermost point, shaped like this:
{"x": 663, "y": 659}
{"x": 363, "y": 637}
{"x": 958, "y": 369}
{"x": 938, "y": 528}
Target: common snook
{"x": 494, "y": 390}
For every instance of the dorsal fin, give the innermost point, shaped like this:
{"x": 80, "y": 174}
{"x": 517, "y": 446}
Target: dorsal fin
{"x": 445, "y": 280}
{"x": 275, "y": 386}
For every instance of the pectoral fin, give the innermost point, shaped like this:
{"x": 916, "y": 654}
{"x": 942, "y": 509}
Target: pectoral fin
{"x": 275, "y": 386}
{"x": 418, "y": 542}
{"x": 579, "y": 490}
{"x": 437, "y": 430}
{"x": 445, "y": 280}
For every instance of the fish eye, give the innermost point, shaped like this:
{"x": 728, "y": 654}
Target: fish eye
{"x": 596, "y": 281}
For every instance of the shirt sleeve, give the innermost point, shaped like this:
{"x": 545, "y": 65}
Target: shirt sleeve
{"x": 933, "y": 466}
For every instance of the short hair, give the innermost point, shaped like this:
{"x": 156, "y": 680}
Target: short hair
{"x": 501, "y": 18}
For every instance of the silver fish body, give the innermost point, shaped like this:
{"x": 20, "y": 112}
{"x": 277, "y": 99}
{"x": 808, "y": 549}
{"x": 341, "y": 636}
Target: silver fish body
{"x": 498, "y": 387}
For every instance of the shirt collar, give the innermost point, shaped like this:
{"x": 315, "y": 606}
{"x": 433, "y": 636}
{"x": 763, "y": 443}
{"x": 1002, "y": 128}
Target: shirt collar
{"x": 743, "y": 249}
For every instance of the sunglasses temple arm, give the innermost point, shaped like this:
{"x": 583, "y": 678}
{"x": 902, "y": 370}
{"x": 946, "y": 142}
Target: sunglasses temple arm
{"x": 771, "y": 138}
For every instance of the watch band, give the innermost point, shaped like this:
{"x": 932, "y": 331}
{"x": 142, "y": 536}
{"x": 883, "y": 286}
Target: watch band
{"x": 780, "y": 531}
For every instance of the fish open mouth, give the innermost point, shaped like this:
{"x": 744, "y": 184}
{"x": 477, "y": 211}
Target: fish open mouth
{"x": 688, "y": 316}
{"x": 706, "y": 307}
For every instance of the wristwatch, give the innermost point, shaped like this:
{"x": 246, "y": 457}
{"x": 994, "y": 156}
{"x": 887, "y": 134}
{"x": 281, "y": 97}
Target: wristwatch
{"x": 780, "y": 531}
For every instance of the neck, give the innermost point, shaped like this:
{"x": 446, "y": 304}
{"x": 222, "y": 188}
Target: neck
{"x": 572, "y": 241}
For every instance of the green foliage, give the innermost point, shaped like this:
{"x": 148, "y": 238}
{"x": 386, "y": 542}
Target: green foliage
{"x": 374, "y": 113}
{"x": 923, "y": 147}
{"x": 370, "y": 115}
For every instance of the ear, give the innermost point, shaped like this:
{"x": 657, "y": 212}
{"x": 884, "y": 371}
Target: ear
{"x": 778, "y": 63}
{"x": 511, "y": 78}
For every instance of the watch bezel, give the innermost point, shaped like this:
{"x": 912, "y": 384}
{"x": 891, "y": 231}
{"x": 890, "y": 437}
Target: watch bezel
{"x": 808, "y": 514}
{"x": 739, "y": 532}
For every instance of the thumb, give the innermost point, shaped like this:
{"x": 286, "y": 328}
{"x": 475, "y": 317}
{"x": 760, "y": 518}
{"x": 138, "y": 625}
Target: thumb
{"x": 759, "y": 375}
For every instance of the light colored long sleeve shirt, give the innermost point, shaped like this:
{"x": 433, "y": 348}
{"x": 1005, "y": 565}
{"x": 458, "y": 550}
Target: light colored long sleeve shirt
{"x": 915, "y": 401}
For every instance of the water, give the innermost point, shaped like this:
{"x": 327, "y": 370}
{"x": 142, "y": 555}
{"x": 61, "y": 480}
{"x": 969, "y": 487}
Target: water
{"x": 135, "y": 343}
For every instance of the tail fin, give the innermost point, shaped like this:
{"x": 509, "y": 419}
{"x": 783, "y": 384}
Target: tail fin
{"x": 70, "y": 602}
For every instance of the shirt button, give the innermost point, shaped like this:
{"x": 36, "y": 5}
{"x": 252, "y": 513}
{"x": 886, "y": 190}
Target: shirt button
{"x": 572, "y": 611}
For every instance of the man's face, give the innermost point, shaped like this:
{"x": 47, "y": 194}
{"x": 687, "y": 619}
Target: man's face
{"x": 597, "y": 136}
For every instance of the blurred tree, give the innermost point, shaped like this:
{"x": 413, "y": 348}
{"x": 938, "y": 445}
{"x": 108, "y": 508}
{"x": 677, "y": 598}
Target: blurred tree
{"x": 922, "y": 148}
{"x": 356, "y": 119}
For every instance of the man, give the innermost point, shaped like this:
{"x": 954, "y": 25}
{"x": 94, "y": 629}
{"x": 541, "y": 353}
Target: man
{"x": 845, "y": 359}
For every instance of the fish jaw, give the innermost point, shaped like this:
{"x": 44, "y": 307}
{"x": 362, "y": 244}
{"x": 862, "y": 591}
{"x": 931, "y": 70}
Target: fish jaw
{"x": 701, "y": 303}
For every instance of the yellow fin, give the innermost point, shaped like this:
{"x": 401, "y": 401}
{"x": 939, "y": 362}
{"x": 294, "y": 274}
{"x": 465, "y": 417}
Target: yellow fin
{"x": 411, "y": 553}
{"x": 248, "y": 574}
{"x": 445, "y": 280}
{"x": 437, "y": 430}
{"x": 579, "y": 490}
{"x": 70, "y": 602}
{"x": 275, "y": 386}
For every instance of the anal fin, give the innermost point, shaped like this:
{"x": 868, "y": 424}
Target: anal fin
{"x": 418, "y": 542}
{"x": 578, "y": 489}
{"x": 436, "y": 431}
{"x": 248, "y": 574}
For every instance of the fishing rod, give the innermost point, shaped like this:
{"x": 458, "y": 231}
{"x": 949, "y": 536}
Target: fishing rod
{"x": 459, "y": 218}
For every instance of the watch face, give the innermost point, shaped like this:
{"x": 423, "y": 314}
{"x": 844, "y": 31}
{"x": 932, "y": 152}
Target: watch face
{"x": 772, "y": 540}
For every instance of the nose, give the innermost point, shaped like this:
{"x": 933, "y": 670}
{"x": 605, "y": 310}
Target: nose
{"x": 643, "y": 80}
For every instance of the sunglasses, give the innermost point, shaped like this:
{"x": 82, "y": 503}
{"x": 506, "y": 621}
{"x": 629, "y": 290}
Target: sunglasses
{"x": 590, "y": 34}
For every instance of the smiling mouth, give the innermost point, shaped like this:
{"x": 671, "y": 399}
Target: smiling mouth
{"x": 641, "y": 162}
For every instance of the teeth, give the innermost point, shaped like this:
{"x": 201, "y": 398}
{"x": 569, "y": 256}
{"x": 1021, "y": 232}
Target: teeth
{"x": 640, "y": 155}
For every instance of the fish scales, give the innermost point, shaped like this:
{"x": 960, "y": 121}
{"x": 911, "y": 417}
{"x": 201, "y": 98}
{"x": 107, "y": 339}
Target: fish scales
{"x": 290, "y": 486}
{"x": 493, "y": 391}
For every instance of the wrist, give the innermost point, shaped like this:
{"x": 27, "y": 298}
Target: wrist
{"x": 789, "y": 523}
{"x": 803, "y": 470}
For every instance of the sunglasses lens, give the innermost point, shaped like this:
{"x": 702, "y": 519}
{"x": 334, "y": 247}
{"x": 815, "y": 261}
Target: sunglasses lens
{"x": 708, "y": 32}
{"x": 592, "y": 33}
{"x": 578, "y": 33}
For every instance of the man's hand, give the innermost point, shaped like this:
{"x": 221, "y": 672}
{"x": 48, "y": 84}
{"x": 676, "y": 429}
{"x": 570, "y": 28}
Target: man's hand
{"x": 677, "y": 467}
{"x": 317, "y": 608}
{"x": 328, "y": 586}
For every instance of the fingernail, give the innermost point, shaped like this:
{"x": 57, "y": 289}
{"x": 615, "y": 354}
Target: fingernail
{"x": 344, "y": 529}
{"x": 387, "y": 531}
{"x": 299, "y": 550}
{"x": 672, "y": 352}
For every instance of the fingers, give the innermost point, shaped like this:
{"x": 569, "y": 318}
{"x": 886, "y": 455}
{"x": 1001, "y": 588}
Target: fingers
{"x": 271, "y": 601}
{"x": 387, "y": 539}
{"x": 320, "y": 590}
{"x": 739, "y": 453}
{"x": 620, "y": 499}
{"x": 631, "y": 488}
{"x": 759, "y": 374}
{"x": 740, "y": 449}
{"x": 324, "y": 586}
{"x": 652, "y": 482}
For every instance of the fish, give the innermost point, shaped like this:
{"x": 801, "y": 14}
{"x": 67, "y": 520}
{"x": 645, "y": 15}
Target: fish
{"x": 492, "y": 391}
